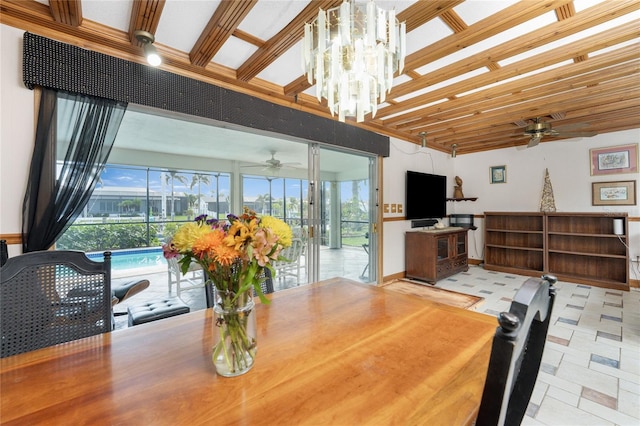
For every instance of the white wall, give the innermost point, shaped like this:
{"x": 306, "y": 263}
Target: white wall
{"x": 568, "y": 164}
{"x": 407, "y": 156}
{"x": 16, "y": 132}
{"x": 569, "y": 168}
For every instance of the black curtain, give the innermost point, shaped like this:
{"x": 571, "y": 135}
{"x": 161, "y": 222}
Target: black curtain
{"x": 74, "y": 137}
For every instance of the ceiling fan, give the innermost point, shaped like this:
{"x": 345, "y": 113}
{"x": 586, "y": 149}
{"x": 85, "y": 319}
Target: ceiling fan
{"x": 538, "y": 129}
{"x": 272, "y": 164}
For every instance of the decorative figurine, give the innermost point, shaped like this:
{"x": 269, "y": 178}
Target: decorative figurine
{"x": 457, "y": 192}
{"x": 547, "y": 203}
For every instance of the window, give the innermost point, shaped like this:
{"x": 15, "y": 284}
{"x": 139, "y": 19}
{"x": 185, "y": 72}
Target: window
{"x": 142, "y": 207}
{"x": 284, "y": 198}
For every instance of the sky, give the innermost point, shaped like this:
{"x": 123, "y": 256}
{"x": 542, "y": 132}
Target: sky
{"x": 120, "y": 176}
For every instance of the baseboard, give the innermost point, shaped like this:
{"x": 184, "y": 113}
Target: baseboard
{"x": 392, "y": 277}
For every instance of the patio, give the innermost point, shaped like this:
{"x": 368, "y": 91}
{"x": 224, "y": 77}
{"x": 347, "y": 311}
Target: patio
{"x": 347, "y": 262}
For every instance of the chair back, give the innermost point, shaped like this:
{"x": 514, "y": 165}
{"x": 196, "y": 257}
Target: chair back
{"x": 516, "y": 354}
{"x": 292, "y": 255}
{"x": 266, "y": 285}
{"x": 51, "y": 297}
{"x": 4, "y": 252}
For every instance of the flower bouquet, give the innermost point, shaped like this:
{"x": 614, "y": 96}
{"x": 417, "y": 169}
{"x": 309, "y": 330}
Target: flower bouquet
{"x": 234, "y": 254}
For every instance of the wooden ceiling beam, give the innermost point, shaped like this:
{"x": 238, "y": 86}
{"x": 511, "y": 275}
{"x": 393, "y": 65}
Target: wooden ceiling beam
{"x": 605, "y": 94}
{"x": 488, "y": 27}
{"x": 596, "y": 42}
{"x": 226, "y": 18}
{"x": 67, "y": 12}
{"x": 460, "y": 108}
{"x": 145, "y": 16}
{"x": 595, "y": 15}
{"x": 283, "y": 41}
{"x": 501, "y": 139}
{"x": 246, "y": 37}
{"x": 562, "y": 78}
{"x": 601, "y": 118}
{"x": 464, "y": 136}
{"x": 453, "y": 21}
{"x": 565, "y": 11}
{"x": 422, "y": 12}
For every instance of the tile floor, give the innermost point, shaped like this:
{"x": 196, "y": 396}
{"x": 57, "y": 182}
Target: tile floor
{"x": 591, "y": 366}
{"x": 590, "y": 373}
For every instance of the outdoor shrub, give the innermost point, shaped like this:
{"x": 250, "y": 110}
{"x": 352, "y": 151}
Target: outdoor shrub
{"x": 101, "y": 237}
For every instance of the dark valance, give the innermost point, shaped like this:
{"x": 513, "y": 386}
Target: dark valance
{"x": 50, "y": 63}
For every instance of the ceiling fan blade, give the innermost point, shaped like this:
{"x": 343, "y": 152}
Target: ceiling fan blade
{"x": 568, "y": 127}
{"x": 575, "y": 134}
{"x": 534, "y": 141}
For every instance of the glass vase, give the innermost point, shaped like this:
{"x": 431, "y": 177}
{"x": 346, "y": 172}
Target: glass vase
{"x": 235, "y": 341}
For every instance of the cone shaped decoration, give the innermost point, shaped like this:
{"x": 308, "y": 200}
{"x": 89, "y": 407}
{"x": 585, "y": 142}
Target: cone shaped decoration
{"x": 547, "y": 204}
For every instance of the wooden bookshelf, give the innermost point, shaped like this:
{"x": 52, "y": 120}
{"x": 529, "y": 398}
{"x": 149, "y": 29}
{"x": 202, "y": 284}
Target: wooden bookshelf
{"x": 514, "y": 242}
{"x": 576, "y": 247}
{"x": 581, "y": 247}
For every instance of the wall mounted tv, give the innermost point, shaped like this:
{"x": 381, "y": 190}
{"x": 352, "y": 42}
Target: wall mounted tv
{"x": 425, "y": 196}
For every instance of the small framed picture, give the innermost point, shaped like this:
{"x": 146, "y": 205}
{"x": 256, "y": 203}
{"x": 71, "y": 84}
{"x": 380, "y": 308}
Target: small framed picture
{"x": 621, "y": 193}
{"x": 498, "y": 174}
{"x": 614, "y": 159}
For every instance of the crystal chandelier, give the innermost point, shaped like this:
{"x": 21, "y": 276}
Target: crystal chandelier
{"x": 352, "y": 52}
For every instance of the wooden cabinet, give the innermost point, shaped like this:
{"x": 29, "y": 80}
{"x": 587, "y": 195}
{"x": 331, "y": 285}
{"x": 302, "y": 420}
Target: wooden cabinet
{"x": 576, "y": 247}
{"x": 431, "y": 255}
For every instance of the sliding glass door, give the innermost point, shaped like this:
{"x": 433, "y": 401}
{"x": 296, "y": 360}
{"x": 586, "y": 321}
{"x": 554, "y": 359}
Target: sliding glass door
{"x": 342, "y": 215}
{"x": 332, "y": 213}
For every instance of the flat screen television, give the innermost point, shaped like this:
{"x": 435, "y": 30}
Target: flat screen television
{"x": 425, "y": 196}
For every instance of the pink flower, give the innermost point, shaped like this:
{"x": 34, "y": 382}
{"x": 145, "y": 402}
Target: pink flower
{"x": 265, "y": 246}
{"x": 169, "y": 251}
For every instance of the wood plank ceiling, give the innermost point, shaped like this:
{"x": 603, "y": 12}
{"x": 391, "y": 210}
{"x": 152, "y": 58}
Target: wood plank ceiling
{"x": 475, "y": 75}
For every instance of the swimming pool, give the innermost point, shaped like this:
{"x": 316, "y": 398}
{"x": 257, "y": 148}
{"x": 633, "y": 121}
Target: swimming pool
{"x": 133, "y": 258}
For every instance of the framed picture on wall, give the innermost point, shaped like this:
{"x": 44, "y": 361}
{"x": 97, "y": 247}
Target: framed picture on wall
{"x": 614, "y": 159}
{"x": 622, "y": 193}
{"x": 498, "y": 174}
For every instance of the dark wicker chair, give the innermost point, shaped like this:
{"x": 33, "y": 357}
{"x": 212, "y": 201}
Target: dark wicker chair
{"x": 266, "y": 285}
{"x": 4, "y": 252}
{"x": 51, "y": 297}
{"x": 516, "y": 354}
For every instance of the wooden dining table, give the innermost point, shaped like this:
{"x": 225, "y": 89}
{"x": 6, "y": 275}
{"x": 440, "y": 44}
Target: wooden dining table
{"x": 335, "y": 352}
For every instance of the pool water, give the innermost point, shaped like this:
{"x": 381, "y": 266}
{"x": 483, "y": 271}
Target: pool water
{"x": 132, "y": 258}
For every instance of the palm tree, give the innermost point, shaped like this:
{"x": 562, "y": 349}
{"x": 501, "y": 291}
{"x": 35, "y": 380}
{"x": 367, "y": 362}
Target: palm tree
{"x": 199, "y": 179}
{"x": 261, "y": 200}
{"x": 171, "y": 177}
